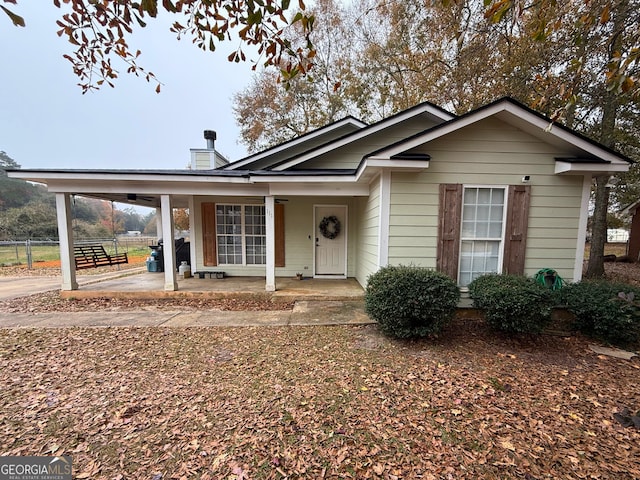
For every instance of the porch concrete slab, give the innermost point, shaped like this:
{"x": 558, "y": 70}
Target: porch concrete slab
{"x": 151, "y": 285}
{"x": 14, "y": 287}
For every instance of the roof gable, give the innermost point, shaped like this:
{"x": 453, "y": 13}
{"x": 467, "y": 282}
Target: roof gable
{"x": 331, "y": 137}
{"x": 510, "y": 111}
{"x": 299, "y": 144}
{"x": 431, "y": 114}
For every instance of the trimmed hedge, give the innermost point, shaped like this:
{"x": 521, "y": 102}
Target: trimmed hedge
{"x": 512, "y": 303}
{"x": 409, "y": 301}
{"x": 605, "y": 310}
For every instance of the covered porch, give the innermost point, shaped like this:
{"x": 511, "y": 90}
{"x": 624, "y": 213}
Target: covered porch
{"x": 144, "y": 284}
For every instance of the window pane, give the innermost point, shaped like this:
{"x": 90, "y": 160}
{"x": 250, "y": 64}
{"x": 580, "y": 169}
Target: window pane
{"x": 495, "y": 230}
{"x": 470, "y": 196}
{"x": 482, "y": 213}
{"x": 482, "y": 230}
{"x": 496, "y": 213}
{"x": 468, "y": 229}
{"x": 484, "y": 196}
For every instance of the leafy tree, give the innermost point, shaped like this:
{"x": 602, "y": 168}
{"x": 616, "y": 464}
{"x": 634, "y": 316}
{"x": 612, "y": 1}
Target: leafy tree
{"x": 269, "y": 114}
{"x": 181, "y": 218}
{"x": 85, "y": 230}
{"x": 99, "y": 30}
{"x": 35, "y": 220}
{"x": 150, "y": 224}
{"x": 6, "y": 162}
{"x": 16, "y": 193}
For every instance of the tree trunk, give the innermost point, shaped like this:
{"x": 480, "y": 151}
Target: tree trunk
{"x": 595, "y": 266}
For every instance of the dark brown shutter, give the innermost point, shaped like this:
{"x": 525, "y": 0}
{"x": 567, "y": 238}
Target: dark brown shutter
{"x": 449, "y": 215}
{"x": 516, "y": 228}
{"x": 209, "y": 234}
{"x": 279, "y": 234}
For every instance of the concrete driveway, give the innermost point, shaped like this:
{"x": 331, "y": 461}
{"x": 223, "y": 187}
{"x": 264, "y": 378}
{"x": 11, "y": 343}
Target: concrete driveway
{"x": 13, "y": 287}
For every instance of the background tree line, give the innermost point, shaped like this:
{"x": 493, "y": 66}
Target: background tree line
{"x": 28, "y": 211}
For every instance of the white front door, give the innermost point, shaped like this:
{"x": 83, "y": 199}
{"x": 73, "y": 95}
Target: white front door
{"x": 331, "y": 240}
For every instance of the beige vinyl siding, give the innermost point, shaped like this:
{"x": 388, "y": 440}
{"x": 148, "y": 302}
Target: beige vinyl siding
{"x": 490, "y": 152}
{"x": 299, "y": 236}
{"x": 368, "y": 224}
{"x": 350, "y": 156}
{"x": 413, "y": 221}
{"x": 203, "y": 161}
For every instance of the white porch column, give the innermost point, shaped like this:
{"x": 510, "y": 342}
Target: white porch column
{"x": 582, "y": 228}
{"x": 192, "y": 233}
{"x": 158, "y": 224}
{"x": 168, "y": 245}
{"x": 65, "y": 233}
{"x": 270, "y": 224}
{"x": 383, "y": 230}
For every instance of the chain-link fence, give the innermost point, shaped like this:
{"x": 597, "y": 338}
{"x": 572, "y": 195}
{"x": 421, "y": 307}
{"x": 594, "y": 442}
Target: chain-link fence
{"x": 47, "y": 252}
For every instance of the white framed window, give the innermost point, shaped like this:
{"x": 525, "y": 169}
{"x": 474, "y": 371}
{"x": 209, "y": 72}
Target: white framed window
{"x": 241, "y": 234}
{"x": 482, "y": 232}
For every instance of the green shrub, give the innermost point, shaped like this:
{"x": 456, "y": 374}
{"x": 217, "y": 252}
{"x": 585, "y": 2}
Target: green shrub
{"x": 409, "y": 301}
{"x": 605, "y": 310}
{"x": 512, "y": 303}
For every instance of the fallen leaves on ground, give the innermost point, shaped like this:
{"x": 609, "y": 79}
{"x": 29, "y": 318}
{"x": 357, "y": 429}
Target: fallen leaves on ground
{"x": 316, "y": 402}
{"x": 52, "y": 302}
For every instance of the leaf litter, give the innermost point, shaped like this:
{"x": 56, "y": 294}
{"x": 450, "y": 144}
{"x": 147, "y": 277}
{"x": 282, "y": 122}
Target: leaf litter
{"x": 316, "y": 402}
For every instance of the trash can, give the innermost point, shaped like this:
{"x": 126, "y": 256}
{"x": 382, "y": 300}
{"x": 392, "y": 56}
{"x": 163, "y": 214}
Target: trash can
{"x": 153, "y": 266}
{"x": 156, "y": 260}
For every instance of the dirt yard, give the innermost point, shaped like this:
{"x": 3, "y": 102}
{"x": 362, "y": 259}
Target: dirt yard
{"x": 316, "y": 402}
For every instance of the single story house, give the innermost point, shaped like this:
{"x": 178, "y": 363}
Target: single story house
{"x": 499, "y": 189}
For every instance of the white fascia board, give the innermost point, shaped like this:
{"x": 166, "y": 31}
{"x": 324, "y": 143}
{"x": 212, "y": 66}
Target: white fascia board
{"x": 46, "y": 177}
{"x": 296, "y": 141}
{"x": 259, "y": 179}
{"x": 436, "y": 132}
{"x": 404, "y": 165}
{"x": 158, "y": 188}
{"x": 372, "y": 129}
{"x": 590, "y": 168}
{"x": 545, "y": 128}
{"x": 375, "y": 164}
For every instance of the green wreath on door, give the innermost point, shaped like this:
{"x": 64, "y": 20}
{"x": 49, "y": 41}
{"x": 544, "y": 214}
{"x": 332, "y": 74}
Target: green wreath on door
{"x": 330, "y": 227}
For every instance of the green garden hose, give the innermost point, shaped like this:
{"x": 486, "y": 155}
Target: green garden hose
{"x": 549, "y": 278}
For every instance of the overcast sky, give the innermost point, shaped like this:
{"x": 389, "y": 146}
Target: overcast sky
{"x": 46, "y": 121}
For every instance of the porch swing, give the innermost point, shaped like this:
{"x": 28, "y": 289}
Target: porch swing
{"x": 94, "y": 255}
